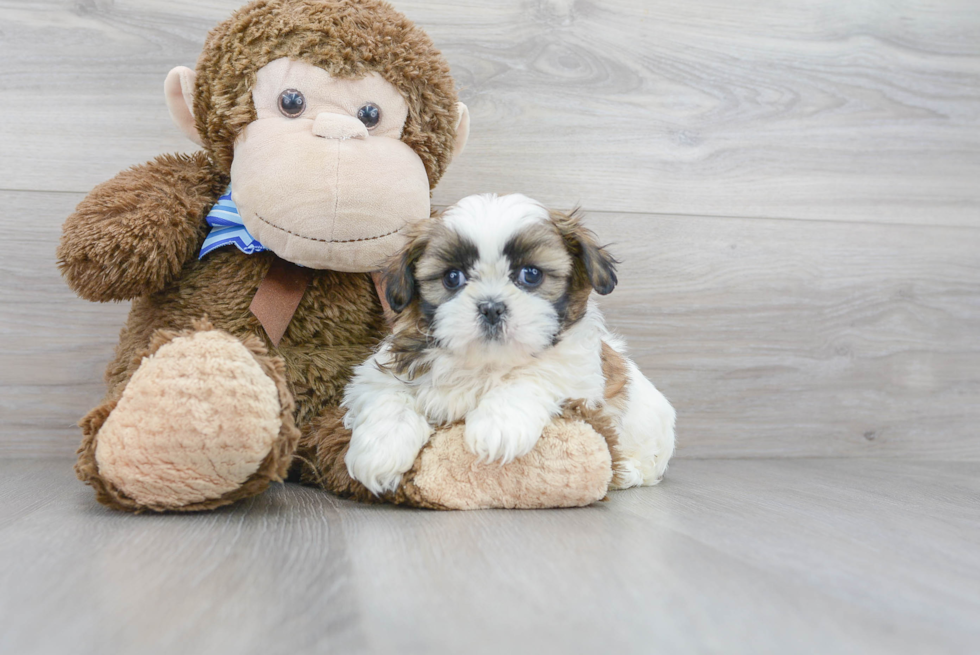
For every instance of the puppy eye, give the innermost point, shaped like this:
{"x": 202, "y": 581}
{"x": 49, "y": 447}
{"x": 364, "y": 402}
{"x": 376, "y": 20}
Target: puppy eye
{"x": 453, "y": 279}
{"x": 292, "y": 103}
{"x": 369, "y": 114}
{"x": 530, "y": 276}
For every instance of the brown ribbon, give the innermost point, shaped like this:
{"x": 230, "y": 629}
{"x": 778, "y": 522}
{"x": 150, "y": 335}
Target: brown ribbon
{"x": 278, "y": 297}
{"x": 282, "y": 290}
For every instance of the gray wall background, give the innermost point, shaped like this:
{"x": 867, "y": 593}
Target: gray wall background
{"x": 794, "y": 190}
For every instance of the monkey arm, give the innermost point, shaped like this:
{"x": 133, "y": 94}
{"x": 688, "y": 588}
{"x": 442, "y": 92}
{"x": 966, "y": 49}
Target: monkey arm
{"x": 132, "y": 235}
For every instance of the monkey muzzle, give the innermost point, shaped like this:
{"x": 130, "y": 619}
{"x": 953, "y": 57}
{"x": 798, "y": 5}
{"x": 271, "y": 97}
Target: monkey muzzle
{"x": 330, "y": 197}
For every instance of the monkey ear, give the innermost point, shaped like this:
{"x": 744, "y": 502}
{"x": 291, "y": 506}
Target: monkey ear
{"x": 179, "y": 91}
{"x": 591, "y": 259}
{"x": 462, "y": 128}
{"x": 399, "y": 276}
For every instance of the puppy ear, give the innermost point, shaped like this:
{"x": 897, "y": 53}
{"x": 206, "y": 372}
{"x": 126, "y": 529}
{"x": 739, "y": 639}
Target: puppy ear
{"x": 592, "y": 261}
{"x": 399, "y": 275}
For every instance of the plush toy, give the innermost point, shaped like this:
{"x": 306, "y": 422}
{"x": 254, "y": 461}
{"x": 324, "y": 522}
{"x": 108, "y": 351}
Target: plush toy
{"x": 324, "y": 126}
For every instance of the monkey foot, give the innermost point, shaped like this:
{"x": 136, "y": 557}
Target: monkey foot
{"x": 570, "y": 466}
{"x": 206, "y": 419}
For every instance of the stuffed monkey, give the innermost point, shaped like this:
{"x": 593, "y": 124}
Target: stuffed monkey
{"x": 324, "y": 126}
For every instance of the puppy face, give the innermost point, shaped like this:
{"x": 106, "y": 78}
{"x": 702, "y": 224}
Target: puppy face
{"x": 494, "y": 277}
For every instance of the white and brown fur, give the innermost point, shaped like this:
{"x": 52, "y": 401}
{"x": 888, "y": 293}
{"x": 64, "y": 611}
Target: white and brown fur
{"x": 508, "y": 371}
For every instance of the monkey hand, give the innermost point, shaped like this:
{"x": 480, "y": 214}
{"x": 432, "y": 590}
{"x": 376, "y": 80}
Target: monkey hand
{"x": 132, "y": 235}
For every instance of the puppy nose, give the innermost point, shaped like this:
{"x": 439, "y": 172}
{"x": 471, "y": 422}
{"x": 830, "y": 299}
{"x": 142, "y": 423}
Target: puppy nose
{"x": 492, "y": 311}
{"x": 338, "y": 126}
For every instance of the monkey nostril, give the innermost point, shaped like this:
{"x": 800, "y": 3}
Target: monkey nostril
{"x": 492, "y": 311}
{"x": 338, "y": 126}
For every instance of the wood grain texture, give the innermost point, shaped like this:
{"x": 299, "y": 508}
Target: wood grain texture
{"x": 862, "y": 111}
{"x": 771, "y": 337}
{"x": 777, "y": 337}
{"x": 776, "y": 556}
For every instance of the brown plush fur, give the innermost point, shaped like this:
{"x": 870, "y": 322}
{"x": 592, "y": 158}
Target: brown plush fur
{"x": 334, "y": 35}
{"x": 336, "y": 326}
{"x": 131, "y": 235}
{"x": 137, "y": 237}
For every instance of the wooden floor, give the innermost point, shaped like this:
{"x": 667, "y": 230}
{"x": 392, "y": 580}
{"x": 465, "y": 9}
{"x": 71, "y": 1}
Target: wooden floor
{"x": 750, "y": 556}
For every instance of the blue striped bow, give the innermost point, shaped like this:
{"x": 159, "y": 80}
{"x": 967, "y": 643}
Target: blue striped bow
{"x": 227, "y": 227}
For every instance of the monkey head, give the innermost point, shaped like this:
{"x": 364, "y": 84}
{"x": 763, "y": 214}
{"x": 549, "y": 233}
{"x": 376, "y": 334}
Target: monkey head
{"x": 333, "y": 120}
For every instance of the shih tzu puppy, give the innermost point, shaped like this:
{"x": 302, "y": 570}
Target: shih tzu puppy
{"x": 495, "y": 327}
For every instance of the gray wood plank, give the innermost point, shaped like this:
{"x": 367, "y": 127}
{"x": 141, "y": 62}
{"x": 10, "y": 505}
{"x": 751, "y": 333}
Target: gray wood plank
{"x": 772, "y": 337}
{"x": 771, "y": 556}
{"x": 779, "y": 338}
{"x": 830, "y": 109}
{"x": 54, "y": 347}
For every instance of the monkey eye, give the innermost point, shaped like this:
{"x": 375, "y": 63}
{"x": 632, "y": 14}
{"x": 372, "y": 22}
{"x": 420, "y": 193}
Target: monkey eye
{"x": 453, "y": 279}
{"x": 530, "y": 276}
{"x": 291, "y": 103}
{"x": 369, "y": 114}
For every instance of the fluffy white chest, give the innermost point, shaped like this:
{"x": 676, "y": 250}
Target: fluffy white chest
{"x": 572, "y": 369}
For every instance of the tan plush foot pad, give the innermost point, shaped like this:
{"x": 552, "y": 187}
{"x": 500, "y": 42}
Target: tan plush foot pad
{"x": 197, "y": 419}
{"x": 570, "y": 467}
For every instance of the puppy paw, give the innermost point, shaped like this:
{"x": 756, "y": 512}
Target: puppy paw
{"x": 644, "y": 461}
{"x": 382, "y": 450}
{"x": 496, "y": 433}
{"x": 646, "y": 437}
{"x": 628, "y": 473}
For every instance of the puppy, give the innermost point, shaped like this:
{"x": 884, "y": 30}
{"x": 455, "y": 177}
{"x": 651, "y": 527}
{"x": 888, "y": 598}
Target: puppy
{"x": 495, "y": 327}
